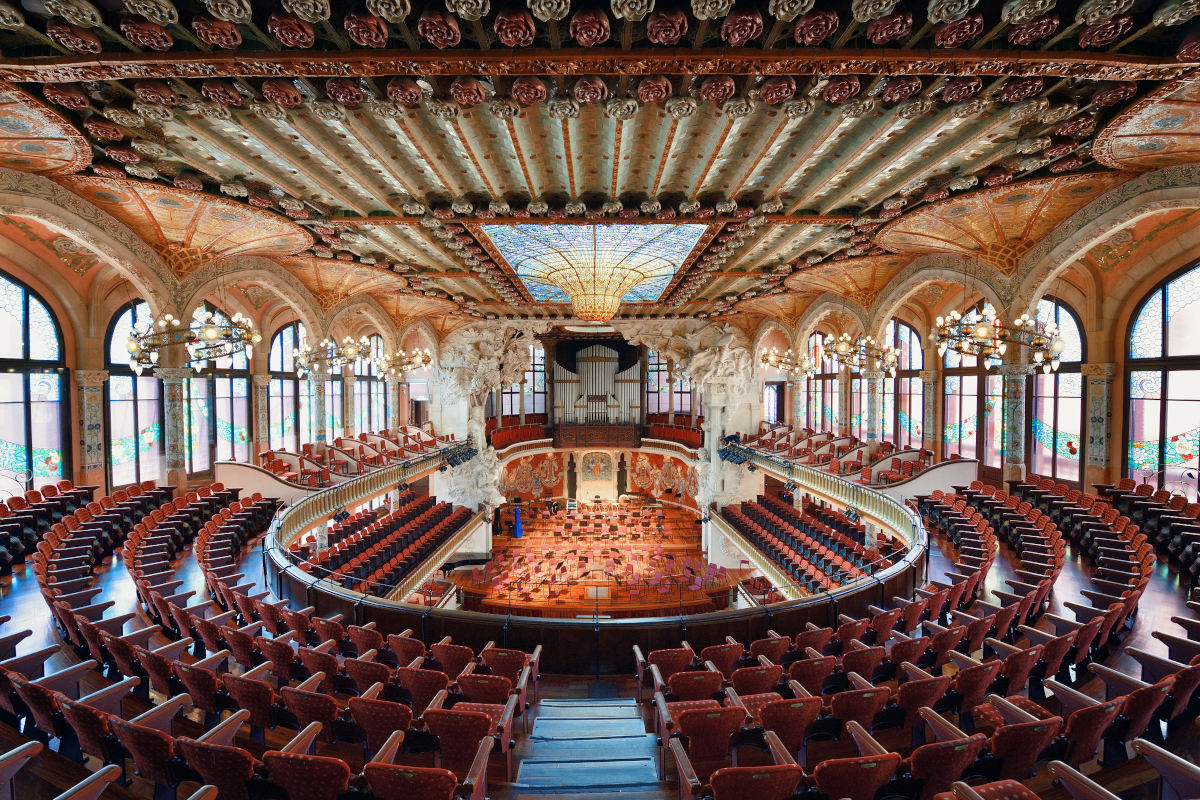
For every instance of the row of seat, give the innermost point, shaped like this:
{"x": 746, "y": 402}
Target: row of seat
{"x": 683, "y": 434}
{"x": 504, "y": 437}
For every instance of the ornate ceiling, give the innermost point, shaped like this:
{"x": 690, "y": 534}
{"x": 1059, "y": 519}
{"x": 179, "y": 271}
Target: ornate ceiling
{"x": 370, "y": 148}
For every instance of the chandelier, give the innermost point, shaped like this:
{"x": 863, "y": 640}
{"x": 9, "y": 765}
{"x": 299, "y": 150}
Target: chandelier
{"x": 210, "y": 336}
{"x": 395, "y": 365}
{"x": 788, "y": 362}
{"x": 864, "y": 353}
{"x": 980, "y": 333}
{"x": 328, "y": 355}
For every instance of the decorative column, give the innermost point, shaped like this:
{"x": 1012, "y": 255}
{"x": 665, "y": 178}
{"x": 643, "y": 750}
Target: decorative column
{"x": 349, "y": 421}
{"x": 670, "y": 392}
{"x": 89, "y": 385}
{"x": 397, "y": 388}
{"x": 174, "y": 433}
{"x": 521, "y": 401}
{"x": 318, "y": 379}
{"x": 931, "y": 421}
{"x": 1015, "y": 376}
{"x": 844, "y": 384}
{"x": 874, "y": 380}
{"x": 1098, "y": 467}
{"x": 262, "y": 417}
{"x": 797, "y": 405}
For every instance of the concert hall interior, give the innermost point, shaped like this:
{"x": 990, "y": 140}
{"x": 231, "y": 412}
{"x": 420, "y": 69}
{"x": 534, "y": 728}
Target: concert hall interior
{"x": 564, "y": 399}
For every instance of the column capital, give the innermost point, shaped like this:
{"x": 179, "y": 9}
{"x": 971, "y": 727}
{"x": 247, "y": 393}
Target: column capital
{"x": 90, "y": 377}
{"x": 874, "y": 374}
{"x": 262, "y": 381}
{"x": 1015, "y": 370}
{"x": 1099, "y": 369}
{"x": 929, "y": 375}
{"x": 173, "y": 374}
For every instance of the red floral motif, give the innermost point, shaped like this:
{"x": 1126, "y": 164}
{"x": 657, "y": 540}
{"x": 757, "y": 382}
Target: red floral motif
{"x": 260, "y": 200}
{"x": 367, "y": 30}
{"x": 1019, "y": 89}
{"x": 528, "y": 91}
{"x": 1035, "y": 30}
{"x": 467, "y": 91}
{"x": 122, "y": 153}
{"x": 1102, "y": 34}
{"x": 157, "y": 92}
{"x": 103, "y": 129}
{"x": 666, "y": 27}
{"x": 222, "y": 92}
{"x": 108, "y": 171}
{"x": 933, "y": 195}
{"x": 1060, "y": 147}
{"x": 443, "y": 212}
{"x": 742, "y": 212}
{"x": 345, "y": 256}
{"x": 666, "y": 213}
{"x": 291, "y": 31}
{"x": 889, "y": 213}
{"x": 590, "y": 26}
{"x": 515, "y": 27}
{"x": 144, "y": 33}
{"x": 188, "y": 180}
{"x": 900, "y": 88}
{"x": 1189, "y": 48}
{"x": 629, "y": 213}
{"x": 1066, "y": 164}
{"x": 717, "y": 88}
{"x": 323, "y": 230}
{"x": 281, "y": 91}
{"x": 216, "y": 32}
{"x": 72, "y": 37}
{"x": 405, "y": 92}
{"x": 997, "y": 177}
{"x": 590, "y": 90}
{"x": 841, "y": 88}
{"x": 654, "y": 89}
{"x": 520, "y": 212}
{"x": 741, "y": 26}
{"x": 867, "y": 227}
{"x": 345, "y": 92}
{"x": 557, "y": 213}
{"x": 958, "y": 89}
{"x": 778, "y": 89}
{"x": 815, "y": 27}
{"x": 960, "y": 32}
{"x": 439, "y": 29}
{"x": 65, "y": 95}
{"x": 890, "y": 28}
{"x": 297, "y": 212}
{"x": 1077, "y": 125}
{"x": 705, "y": 212}
{"x": 1117, "y": 93}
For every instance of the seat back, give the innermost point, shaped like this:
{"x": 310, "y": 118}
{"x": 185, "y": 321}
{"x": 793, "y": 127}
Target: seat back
{"x": 453, "y": 657}
{"x": 459, "y": 734}
{"x": 939, "y": 764}
{"x": 306, "y": 777}
{"x": 224, "y": 766}
{"x": 696, "y": 685}
{"x": 396, "y": 782}
{"x": 855, "y": 778}
{"x": 379, "y": 718}
{"x": 150, "y": 749}
{"x": 1018, "y": 746}
{"x": 774, "y": 782}
{"x": 708, "y": 731}
{"x": 790, "y": 719}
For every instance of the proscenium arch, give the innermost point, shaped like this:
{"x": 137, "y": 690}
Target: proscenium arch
{"x": 941, "y": 267}
{"x": 227, "y": 273}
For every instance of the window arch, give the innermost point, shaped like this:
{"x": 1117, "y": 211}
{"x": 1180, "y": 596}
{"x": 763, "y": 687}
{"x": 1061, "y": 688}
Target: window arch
{"x": 217, "y": 427}
{"x": 973, "y": 408}
{"x": 1162, "y": 432}
{"x": 1056, "y": 400}
{"x": 370, "y": 391}
{"x": 33, "y": 391}
{"x": 134, "y": 403}
{"x": 289, "y": 401}
{"x": 903, "y": 411}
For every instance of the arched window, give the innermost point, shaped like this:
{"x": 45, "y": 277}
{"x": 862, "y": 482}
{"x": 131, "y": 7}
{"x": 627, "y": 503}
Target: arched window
{"x": 1162, "y": 431}
{"x": 1056, "y": 400}
{"x": 534, "y": 387}
{"x": 334, "y": 424}
{"x": 370, "y": 391}
{"x": 289, "y": 406}
{"x": 33, "y": 391}
{"x": 218, "y": 408}
{"x": 973, "y": 406}
{"x": 858, "y": 411}
{"x": 135, "y": 409}
{"x": 823, "y": 412}
{"x": 902, "y": 414}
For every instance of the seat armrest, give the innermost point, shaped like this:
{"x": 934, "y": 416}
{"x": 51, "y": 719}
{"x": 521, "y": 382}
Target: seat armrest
{"x": 161, "y": 715}
{"x": 302, "y": 742}
{"x": 224, "y": 732}
{"x": 66, "y": 680}
{"x": 109, "y": 698}
{"x": 943, "y": 730}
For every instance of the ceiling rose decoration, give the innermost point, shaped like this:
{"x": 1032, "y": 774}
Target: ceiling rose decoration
{"x": 391, "y": 10}
{"x": 11, "y": 19}
{"x": 595, "y": 267}
{"x": 209, "y": 337}
{"x": 160, "y": 12}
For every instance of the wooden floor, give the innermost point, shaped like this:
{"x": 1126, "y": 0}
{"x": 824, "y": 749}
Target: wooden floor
{"x": 587, "y": 739}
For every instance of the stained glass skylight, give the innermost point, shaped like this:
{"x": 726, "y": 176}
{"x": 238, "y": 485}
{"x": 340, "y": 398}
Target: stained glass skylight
{"x": 595, "y": 267}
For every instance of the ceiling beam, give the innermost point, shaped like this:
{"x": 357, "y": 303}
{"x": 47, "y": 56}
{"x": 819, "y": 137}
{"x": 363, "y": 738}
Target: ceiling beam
{"x": 772, "y": 219}
{"x": 647, "y": 61}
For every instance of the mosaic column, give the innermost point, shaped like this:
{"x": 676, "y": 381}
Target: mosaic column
{"x": 89, "y": 386}
{"x": 174, "y": 412}
{"x": 349, "y": 422}
{"x": 797, "y": 396}
{"x": 262, "y": 417}
{"x": 670, "y": 392}
{"x": 397, "y": 401}
{"x": 521, "y": 400}
{"x": 317, "y": 379}
{"x": 1015, "y": 376}
{"x": 1097, "y": 467}
{"x": 844, "y": 385}
{"x": 931, "y": 434}
{"x": 874, "y": 400}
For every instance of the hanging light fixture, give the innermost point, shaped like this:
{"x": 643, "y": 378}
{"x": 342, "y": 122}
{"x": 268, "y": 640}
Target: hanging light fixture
{"x": 328, "y": 355}
{"x": 864, "y": 353}
{"x": 981, "y": 333}
{"x": 788, "y": 362}
{"x": 395, "y": 365}
{"x": 210, "y": 336}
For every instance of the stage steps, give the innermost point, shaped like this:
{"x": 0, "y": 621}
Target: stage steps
{"x": 589, "y": 748}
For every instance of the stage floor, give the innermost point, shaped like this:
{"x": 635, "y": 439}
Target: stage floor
{"x": 616, "y": 560}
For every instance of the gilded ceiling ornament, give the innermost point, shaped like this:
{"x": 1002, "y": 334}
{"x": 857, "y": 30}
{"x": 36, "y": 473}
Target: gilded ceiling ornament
{"x": 327, "y": 111}
{"x": 895, "y": 202}
{"x": 1032, "y": 162}
{"x": 1016, "y": 12}
{"x": 1052, "y": 114}
{"x": 140, "y": 170}
{"x": 161, "y": 12}
{"x": 235, "y": 11}
{"x": 123, "y": 116}
{"x": 463, "y": 207}
{"x": 612, "y": 207}
{"x": 632, "y": 10}
{"x": 471, "y": 10}
{"x": 429, "y": 221}
{"x": 1029, "y": 109}
{"x": 788, "y": 10}
{"x": 689, "y": 207}
{"x": 391, "y": 10}
{"x": 152, "y": 111}
{"x": 443, "y": 110}
{"x": 711, "y": 9}
{"x": 726, "y": 206}
{"x": 858, "y": 108}
{"x": 547, "y": 10}
{"x": 73, "y": 37}
{"x": 538, "y": 207}
{"x": 650, "y": 206}
{"x": 681, "y": 107}
{"x": 267, "y": 109}
{"x": 76, "y": 12}
{"x": 969, "y": 108}
{"x": 290, "y": 204}
{"x": 151, "y": 149}
{"x": 949, "y": 10}
{"x": 621, "y": 108}
{"x": 576, "y": 208}
{"x": 308, "y": 10}
{"x": 234, "y": 189}
{"x": 1092, "y": 11}
{"x": 963, "y": 182}
{"x": 414, "y": 208}
{"x": 503, "y": 108}
{"x": 10, "y": 18}
{"x": 1032, "y": 145}
{"x": 562, "y": 108}
{"x": 208, "y": 110}
{"x": 384, "y": 109}
{"x": 1176, "y": 12}
{"x": 141, "y": 32}
{"x": 795, "y": 109}
{"x": 867, "y": 10}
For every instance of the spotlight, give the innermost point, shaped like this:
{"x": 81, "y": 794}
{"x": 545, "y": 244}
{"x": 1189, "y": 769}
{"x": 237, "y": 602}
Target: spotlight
{"x": 751, "y": 468}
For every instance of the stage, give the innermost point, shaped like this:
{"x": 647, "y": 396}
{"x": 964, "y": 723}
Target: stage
{"x": 610, "y": 559}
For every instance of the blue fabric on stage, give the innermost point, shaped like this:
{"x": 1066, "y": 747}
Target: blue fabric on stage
{"x": 517, "y": 533}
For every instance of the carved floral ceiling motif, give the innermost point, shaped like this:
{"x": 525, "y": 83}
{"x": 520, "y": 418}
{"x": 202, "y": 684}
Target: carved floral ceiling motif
{"x": 48, "y": 245}
{"x": 858, "y": 279}
{"x": 35, "y": 138}
{"x": 1159, "y": 130}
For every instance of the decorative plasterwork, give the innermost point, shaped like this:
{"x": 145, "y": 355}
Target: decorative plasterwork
{"x": 999, "y": 226}
{"x": 34, "y": 138}
{"x": 859, "y": 279}
{"x": 1161, "y": 129}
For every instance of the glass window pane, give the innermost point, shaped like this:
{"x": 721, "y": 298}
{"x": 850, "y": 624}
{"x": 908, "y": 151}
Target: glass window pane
{"x": 1181, "y": 444}
{"x": 1183, "y": 315}
{"x": 43, "y": 333}
{"x": 122, "y": 432}
{"x": 1145, "y": 396}
{"x": 1146, "y": 341}
{"x": 14, "y": 449}
{"x": 45, "y": 416}
{"x": 150, "y": 444}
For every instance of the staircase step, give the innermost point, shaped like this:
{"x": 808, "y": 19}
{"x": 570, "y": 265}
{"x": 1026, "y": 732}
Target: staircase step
{"x": 619, "y": 747}
{"x": 555, "y": 728}
{"x": 589, "y": 711}
{"x": 609, "y": 773}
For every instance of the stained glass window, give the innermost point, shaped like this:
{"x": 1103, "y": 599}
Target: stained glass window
{"x": 533, "y": 387}
{"x": 134, "y": 404}
{"x": 1163, "y": 374}
{"x": 903, "y": 408}
{"x": 370, "y": 392}
{"x": 858, "y": 410}
{"x": 218, "y": 409}
{"x": 823, "y": 389}
{"x": 772, "y": 402}
{"x": 333, "y": 408}
{"x": 973, "y": 409}
{"x": 287, "y": 423}
{"x": 1056, "y": 421}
